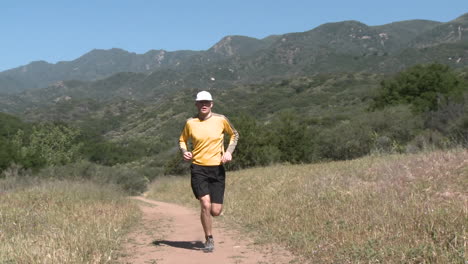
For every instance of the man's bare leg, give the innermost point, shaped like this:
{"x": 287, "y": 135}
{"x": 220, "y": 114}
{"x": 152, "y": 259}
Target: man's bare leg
{"x": 205, "y": 214}
{"x": 208, "y": 210}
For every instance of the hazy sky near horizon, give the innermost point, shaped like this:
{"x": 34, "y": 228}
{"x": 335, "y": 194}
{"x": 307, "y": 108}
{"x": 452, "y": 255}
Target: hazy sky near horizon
{"x": 63, "y": 30}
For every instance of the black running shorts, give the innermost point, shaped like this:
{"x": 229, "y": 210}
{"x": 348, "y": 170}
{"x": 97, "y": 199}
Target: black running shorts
{"x": 208, "y": 180}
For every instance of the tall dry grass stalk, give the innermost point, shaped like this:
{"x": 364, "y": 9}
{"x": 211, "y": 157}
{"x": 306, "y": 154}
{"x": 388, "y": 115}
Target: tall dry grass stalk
{"x": 378, "y": 209}
{"x": 63, "y": 222}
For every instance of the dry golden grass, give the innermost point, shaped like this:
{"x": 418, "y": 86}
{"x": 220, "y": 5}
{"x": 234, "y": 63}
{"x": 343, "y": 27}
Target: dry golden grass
{"x": 63, "y": 222}
{"x": 378, "y": 209}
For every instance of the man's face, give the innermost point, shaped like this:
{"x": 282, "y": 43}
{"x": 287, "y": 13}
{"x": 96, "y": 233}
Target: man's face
{"x": 204, "y": 107}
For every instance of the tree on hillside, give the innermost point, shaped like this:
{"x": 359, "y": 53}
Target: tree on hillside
{"x": 9, "y": 126}
{"x": 291, "y": 138}
{"x": 6, "y": 157}
{"x": 255, "y": 147}
{"x": 47, "y": 145}
{"x": 424, "y": 87}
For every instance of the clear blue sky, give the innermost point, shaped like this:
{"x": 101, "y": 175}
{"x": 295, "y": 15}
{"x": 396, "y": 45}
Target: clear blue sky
{"x": 63, "y": 30}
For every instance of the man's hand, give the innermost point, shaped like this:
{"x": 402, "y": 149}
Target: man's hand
{"x": 188, "y": 156}
{"x": 227, "y": 157}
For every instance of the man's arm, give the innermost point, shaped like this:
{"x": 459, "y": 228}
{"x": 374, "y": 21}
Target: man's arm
{"x": 234, "y": 138}
{"x": 183, "y": 139}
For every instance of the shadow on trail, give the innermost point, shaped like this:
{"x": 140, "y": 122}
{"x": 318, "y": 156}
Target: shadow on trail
{"x": 193, "y": 245}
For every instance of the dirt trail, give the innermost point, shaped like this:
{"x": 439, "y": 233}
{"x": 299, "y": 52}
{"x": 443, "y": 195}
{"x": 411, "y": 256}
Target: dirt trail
{"x": 172, "y": 234}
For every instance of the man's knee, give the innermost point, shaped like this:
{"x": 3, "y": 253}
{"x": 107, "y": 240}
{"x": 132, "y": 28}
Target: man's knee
{"x": 216, "y": 209}
{"x": 205, "y": 203}
{"x": 215, "y": 213}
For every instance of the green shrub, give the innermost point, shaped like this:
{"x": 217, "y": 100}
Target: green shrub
{"x": 347, "y": 140}
{"x": 256, "y": 145}
{"x": 291, "y": 137}
{"x": 424, "y": 87}
{"x": 176, "y": 165}
{"x": 47, "y": 145}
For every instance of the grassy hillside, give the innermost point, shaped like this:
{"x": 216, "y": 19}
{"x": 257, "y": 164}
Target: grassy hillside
{"x": 377, "y": 209}
{"x": 330, "y": 113}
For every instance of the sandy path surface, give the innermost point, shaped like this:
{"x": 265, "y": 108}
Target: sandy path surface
{"x": 172, "y": 234}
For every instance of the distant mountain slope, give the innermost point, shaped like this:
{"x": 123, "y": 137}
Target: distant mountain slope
{"x": 454, "y": 31}
{"x": 240, "y": 46}
{"x": 403, "y": 32}
{"x": 98, "y": 64}
{"x": 452, "y": 54}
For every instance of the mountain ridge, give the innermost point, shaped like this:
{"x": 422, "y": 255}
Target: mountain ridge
{"x": 331, "y": 47}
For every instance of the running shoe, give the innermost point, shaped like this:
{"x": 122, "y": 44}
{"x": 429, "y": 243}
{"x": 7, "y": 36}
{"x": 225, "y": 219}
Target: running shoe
{"x": 209, "y": 245}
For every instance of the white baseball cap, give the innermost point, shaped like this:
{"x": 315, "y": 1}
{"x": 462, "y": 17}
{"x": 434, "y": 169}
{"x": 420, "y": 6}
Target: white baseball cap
{"x": 204, "y": 96}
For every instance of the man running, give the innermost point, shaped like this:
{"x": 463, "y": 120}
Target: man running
{"x": 206, "y": 132}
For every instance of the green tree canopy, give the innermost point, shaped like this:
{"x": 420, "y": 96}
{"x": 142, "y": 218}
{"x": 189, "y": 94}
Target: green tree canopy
{"x": 255, "y": 146}
{"x": 50, "y": 143}
{"x": 424, "y": 87}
